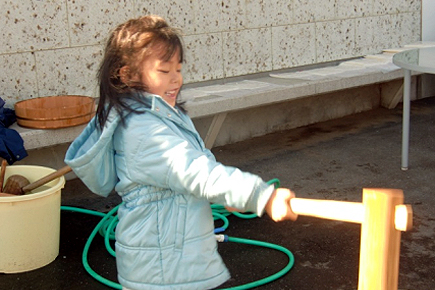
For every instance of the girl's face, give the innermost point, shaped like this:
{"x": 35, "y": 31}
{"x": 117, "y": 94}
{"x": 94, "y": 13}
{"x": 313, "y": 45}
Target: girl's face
{"x": 162, "y": 78}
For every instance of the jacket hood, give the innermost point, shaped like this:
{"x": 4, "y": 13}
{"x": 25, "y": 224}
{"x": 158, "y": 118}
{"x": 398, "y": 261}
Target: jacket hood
{"x": 91, "y": 155}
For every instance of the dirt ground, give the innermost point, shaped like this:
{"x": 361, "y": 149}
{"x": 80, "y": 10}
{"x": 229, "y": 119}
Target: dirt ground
{"x": 333, "y": 160}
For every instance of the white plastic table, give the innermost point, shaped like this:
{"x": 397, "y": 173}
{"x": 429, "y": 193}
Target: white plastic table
{"x": 420, "y": 60}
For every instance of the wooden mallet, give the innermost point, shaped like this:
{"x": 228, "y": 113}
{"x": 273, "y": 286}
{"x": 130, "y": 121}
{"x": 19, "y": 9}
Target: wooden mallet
{"x": 382, "y": 216}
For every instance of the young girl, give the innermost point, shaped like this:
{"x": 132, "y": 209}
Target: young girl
{"x": 142, "y": 144}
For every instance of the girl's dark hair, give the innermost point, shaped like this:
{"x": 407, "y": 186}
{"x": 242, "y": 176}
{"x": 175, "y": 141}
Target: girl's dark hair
{"x": 128, "y": 45}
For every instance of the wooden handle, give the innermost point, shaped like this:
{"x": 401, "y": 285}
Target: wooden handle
{"x": 345, "y": 211}
{"x": 329, "y": 209}
{"x": 2, "y": 174}
{"x": 403, "y": 217}
{"x": 45, "y": 179}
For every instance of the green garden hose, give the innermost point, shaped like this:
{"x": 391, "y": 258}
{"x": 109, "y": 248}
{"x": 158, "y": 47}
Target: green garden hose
{"x": 106, "y": 228}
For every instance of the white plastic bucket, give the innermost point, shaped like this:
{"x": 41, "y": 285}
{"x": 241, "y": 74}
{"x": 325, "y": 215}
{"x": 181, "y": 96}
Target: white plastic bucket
{"x": 30, "y": 224}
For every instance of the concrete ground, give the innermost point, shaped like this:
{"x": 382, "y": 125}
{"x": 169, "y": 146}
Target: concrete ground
{"x": 333, "y": 160}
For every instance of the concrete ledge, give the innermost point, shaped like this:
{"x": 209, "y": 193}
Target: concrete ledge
{"x": 219, "y": 100}
{"x": 37, "y": 138}
{"x": 210, "y": 100}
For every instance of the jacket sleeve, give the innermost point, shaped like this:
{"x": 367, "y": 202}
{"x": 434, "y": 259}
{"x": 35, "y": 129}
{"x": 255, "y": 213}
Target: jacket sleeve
{"x": 163, "y": 158}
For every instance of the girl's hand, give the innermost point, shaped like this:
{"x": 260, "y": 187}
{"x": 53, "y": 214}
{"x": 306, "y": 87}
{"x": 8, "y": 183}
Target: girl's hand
{"x": 278, "y": 206}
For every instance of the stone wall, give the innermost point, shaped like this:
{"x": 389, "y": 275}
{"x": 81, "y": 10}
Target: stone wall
{"x": 54, "y": 47}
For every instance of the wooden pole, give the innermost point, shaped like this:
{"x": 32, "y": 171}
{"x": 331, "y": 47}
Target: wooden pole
{"x": 382, "y": 216}
{"x": 380, "y": 241}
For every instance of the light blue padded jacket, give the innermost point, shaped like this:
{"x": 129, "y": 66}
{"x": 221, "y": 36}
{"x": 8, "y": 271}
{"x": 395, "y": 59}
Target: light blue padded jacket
{"x": 158, "y": 164}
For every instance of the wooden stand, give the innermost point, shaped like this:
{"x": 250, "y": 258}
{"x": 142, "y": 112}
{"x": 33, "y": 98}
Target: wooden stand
{"x": 382, "y": 216}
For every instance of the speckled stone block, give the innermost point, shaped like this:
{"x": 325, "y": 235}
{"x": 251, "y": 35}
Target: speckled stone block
{"x": 386, "y": 6}
{"x": 386, "y": 25}
{"x": 335, "y": 40}
{"x": 403, "y": 28}
{"x": 207, "y": 17}
{"x": 410, "y": 31}
{"x": 413, "y": 5}
{"x": 178, "y": 13}
{"x": 70, "y": 71}
{"x": 32, "y": 25}
{"x": 198, "y": 67}
{"x": 268, "y": 13}
{"x": 353, "y": 8}
{"x": 309, "y": 11}
{"x": 282, "y": 12}
{"x": 247, "y": 51}
{"x": 18, "y": 77}
{"x": 293, "y": 45}
{"x": 91, "y": 21}
{"x": 233, "y": 13}
{"x": 365, "y": 41}
{"x": 199, "y": 16}
{"x": 396, "y": 6}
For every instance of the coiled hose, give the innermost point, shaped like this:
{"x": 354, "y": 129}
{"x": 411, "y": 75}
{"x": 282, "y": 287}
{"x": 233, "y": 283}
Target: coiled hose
{"x": 106, "y": 228}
